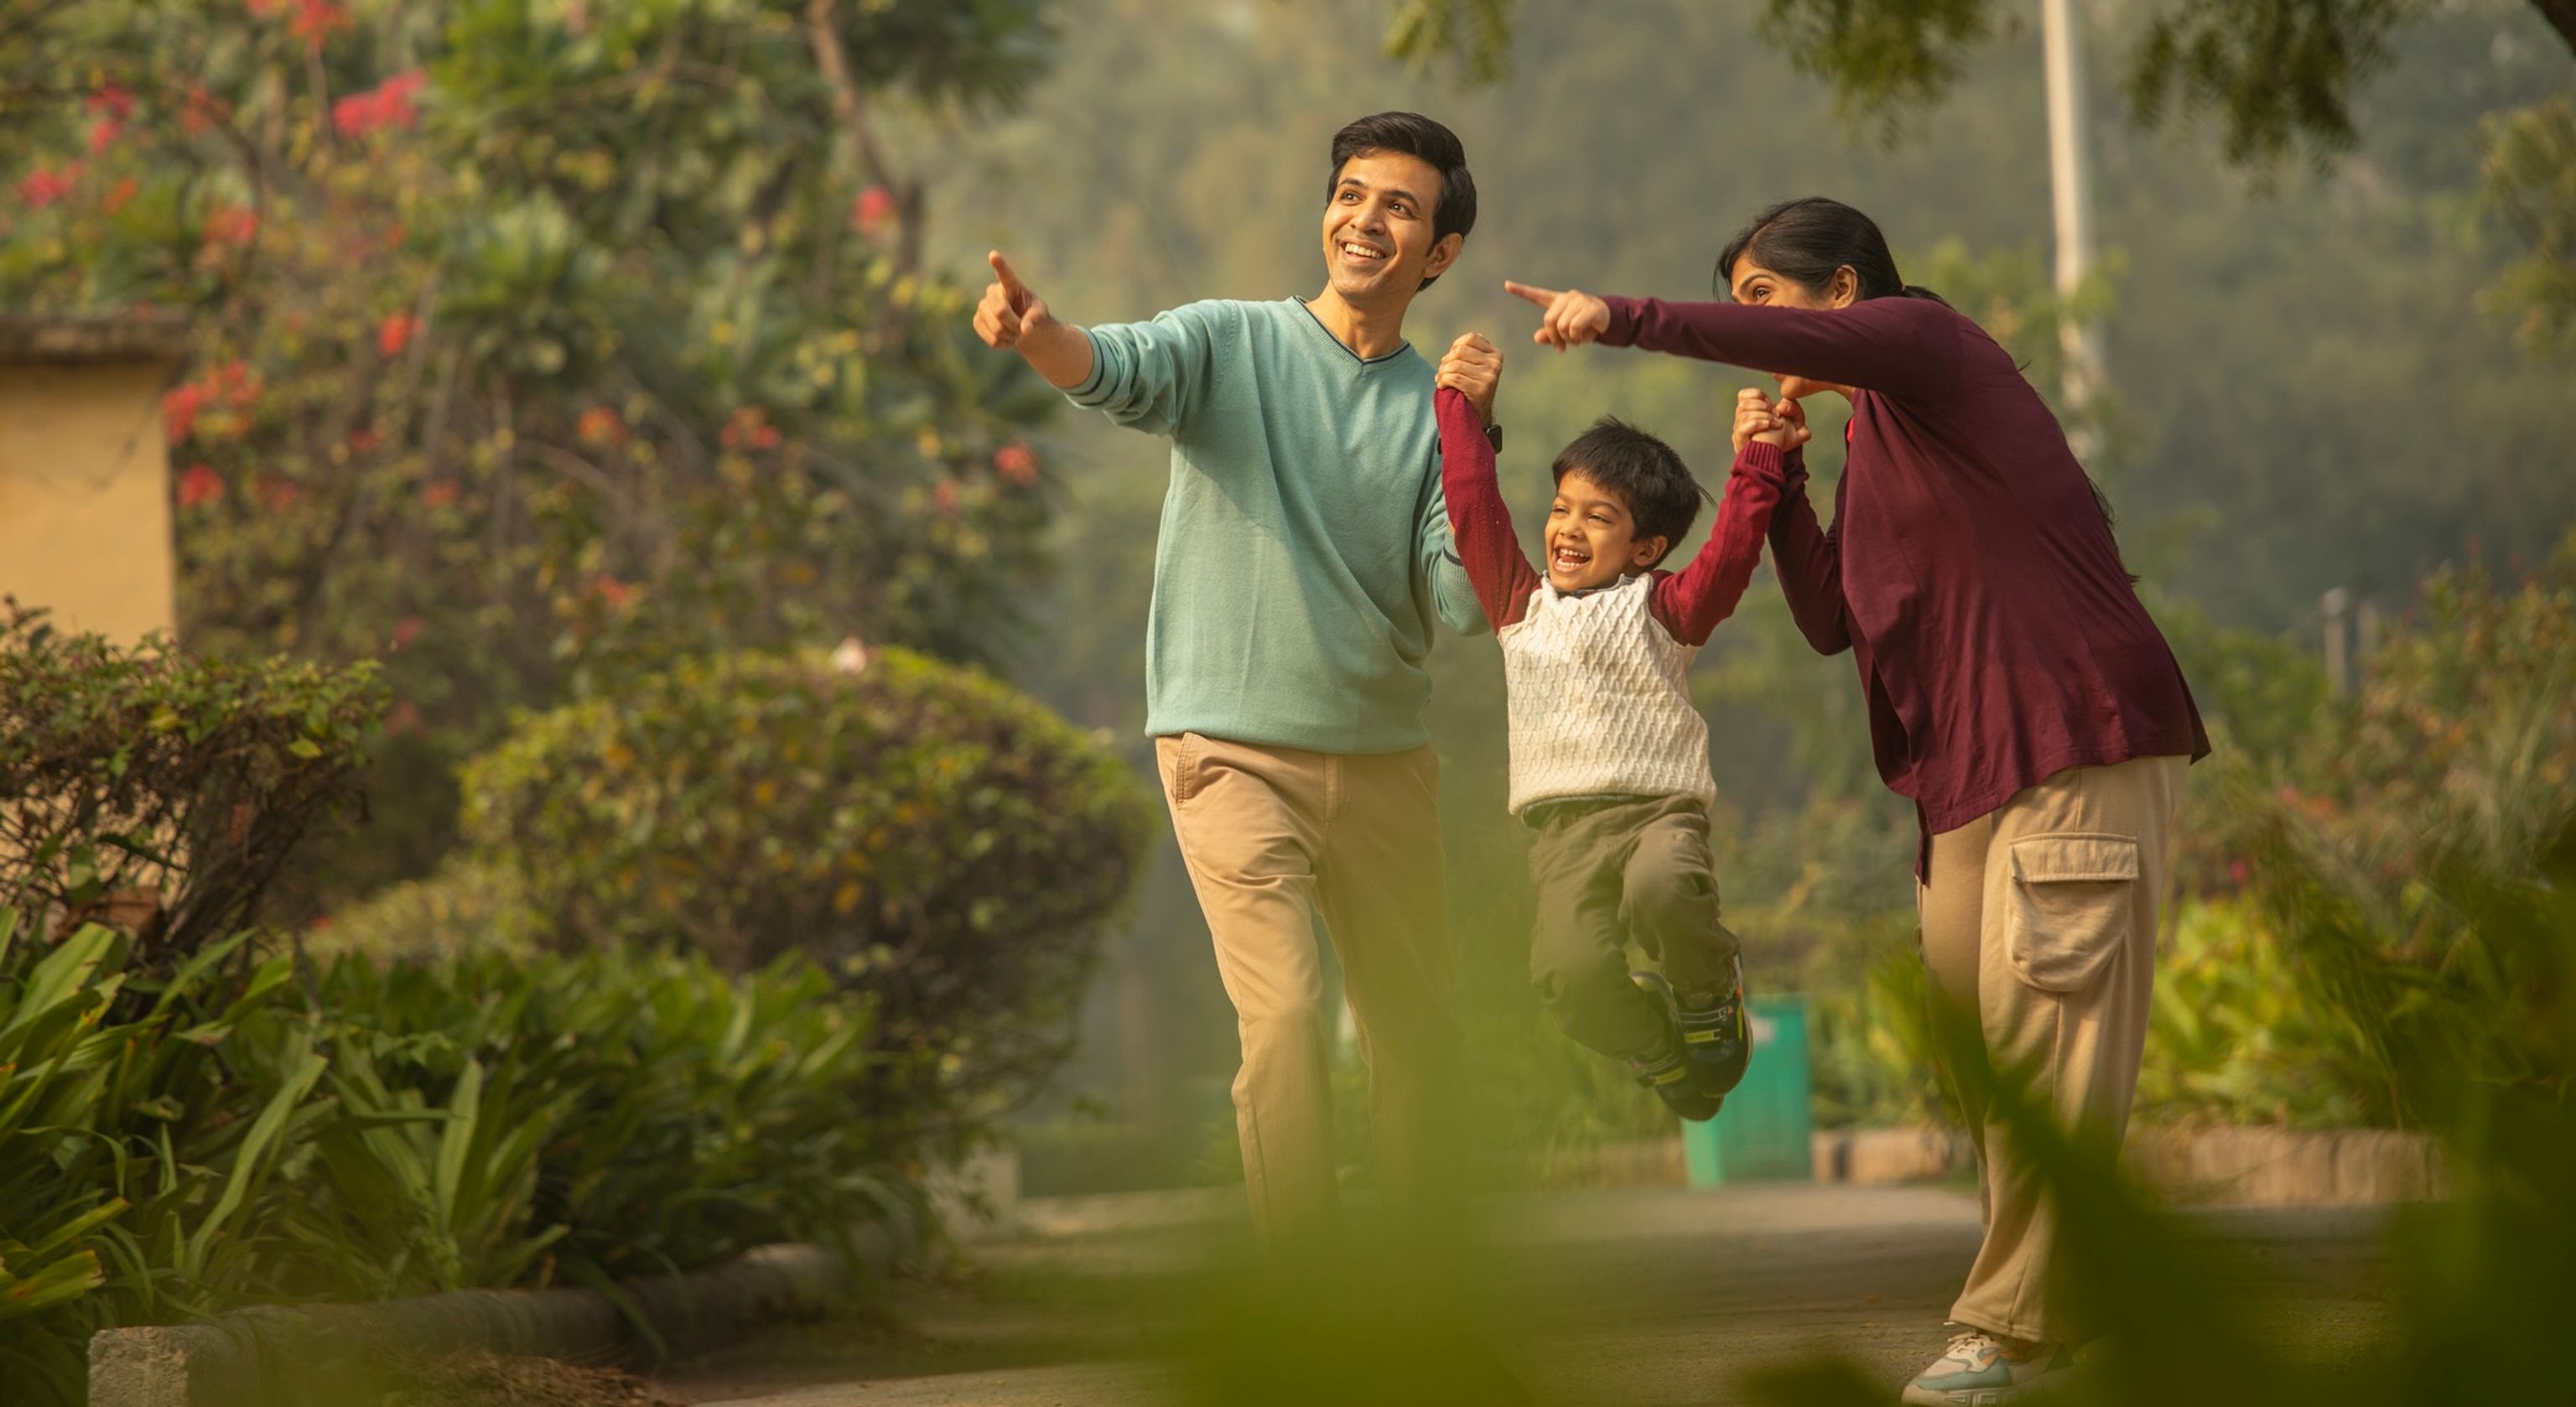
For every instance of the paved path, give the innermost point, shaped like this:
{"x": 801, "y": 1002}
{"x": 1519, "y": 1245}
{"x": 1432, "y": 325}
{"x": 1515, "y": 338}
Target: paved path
{"x": 1634, "y": 1298}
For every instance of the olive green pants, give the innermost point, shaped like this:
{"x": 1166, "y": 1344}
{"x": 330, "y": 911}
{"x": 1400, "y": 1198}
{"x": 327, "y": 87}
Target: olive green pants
{"x": 1610, "y": 871}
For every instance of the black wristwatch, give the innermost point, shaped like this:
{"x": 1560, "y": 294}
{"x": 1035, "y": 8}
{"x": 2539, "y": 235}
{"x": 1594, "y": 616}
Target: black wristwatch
{"x": 1494, "y": 436}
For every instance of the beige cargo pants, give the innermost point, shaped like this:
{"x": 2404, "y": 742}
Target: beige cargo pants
{"x": 2040, "y": 918}
{"x": 1275, "y": 838}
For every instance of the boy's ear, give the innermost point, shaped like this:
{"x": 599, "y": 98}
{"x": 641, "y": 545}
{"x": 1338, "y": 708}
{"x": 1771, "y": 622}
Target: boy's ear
{"x": 1647, "y": 551}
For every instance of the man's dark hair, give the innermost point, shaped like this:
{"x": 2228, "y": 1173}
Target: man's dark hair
{"x": 1453, "y": 211}
{"x": 1642, "y": 471}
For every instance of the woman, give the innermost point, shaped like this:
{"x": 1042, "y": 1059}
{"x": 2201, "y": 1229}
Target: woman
{"x": 2018, "y": 693}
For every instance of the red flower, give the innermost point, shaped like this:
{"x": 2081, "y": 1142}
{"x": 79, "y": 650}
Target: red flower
{"x": 200, "y": 112}
{"x": 365, "y": 440}
{"x": 278, "y": 494}
{"x": 438, "y": 495}
{"x": 317, "y": 20}
{"x": 321, "y": 923}
{"x": 395, "y": 333}
{"x": 103, "y": 134}
{"x": 406, "y": 631}
{"x": 944, "y": 493}
{"x": 1017, "y": 463}
{"x": 403, "y": 717}
{"x": 871, "y": 210}
{"x": 231, "y": 224}
{"x": 118, "y": 194}
{"x": 388, "y": 104}
{"x": 113, "y": 100}
{"x": 749, "y": 428}
{"x": 179, "y": 412}
{"x": 601, "y": 426}
{"x": 45, "y": 185}
{"x": 200, "y": 485}
{"x": 235, "y": 381}
{"x": 609, "y": 589}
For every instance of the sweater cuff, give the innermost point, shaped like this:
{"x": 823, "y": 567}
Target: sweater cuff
{"x": 1623, "y": 321}
{"x": 1761, "y": 459}
{"x": 1092, "y": 391}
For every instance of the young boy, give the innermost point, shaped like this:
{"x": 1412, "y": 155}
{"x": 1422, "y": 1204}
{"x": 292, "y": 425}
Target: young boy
{"x": 1609, "y": 757}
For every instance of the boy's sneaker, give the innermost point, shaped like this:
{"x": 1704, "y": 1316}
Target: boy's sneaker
{"x": 1716, "y": 1043}
{"x": 1668, "y": 1072}
{"x": 1977, "y": 1372}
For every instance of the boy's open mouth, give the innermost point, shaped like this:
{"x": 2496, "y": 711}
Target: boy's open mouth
{"x": 1566, "y": 559}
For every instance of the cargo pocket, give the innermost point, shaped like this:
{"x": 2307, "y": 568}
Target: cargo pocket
{"x": 2072, "y": 904}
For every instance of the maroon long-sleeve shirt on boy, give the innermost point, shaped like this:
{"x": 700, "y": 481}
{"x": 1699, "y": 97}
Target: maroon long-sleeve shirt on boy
{"x": 1968, "y": 568}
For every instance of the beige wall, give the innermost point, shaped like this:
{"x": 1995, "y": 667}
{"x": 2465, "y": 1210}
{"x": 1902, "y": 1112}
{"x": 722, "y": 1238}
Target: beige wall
{"x": 85, "y": 497}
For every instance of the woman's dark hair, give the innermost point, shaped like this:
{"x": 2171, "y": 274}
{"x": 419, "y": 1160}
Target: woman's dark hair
{"x": 1642, "y": 471}
{"x": 1808, "y": 238}
{"x": 1453, "y": 211}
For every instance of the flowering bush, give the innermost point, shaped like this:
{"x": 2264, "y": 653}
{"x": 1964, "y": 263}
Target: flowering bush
{"x": 536, "y": 344}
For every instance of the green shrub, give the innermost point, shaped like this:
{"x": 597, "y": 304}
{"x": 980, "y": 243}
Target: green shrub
{"x": 160, "y": 789}
{"x": 140, "y": 1168}
{"x": 469, "y": 905}
{"x": 2233, "y": 1037}
{"x": 941, "y": 843}
{"x": 485, "y": 1121}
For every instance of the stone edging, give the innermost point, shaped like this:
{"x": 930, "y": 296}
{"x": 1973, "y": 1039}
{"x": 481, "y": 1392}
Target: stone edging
{"x": 233, "y": 1360}
{"x": 2241, "y": 1167}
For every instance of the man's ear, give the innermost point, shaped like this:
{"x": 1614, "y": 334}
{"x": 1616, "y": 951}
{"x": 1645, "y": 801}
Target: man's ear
{"x": 1647, "y": 551}
{"x": 1443, "y": 254}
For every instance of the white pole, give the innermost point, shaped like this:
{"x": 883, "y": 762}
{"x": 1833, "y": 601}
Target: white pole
{"x": 2070, "y": 169}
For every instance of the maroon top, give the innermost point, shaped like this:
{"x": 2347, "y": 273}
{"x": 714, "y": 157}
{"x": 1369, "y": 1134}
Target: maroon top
{"x": 1688, "y": 603}
{"x": 1998, "y": 637}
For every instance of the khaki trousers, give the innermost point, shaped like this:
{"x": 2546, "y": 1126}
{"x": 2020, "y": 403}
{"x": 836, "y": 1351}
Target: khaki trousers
{"x": 2040, "y": 919}
{"x": 1275, "y": 838}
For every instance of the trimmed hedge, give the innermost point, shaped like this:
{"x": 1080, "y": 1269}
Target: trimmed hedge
{"x": 163, "y": 791}
{"x": 938, "y": 841}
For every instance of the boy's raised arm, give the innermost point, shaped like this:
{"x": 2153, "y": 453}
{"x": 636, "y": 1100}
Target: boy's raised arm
{"x": 1479, "y": 521}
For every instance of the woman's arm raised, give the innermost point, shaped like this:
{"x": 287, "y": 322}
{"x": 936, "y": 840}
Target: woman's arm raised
{"x": 1902, "y": 347}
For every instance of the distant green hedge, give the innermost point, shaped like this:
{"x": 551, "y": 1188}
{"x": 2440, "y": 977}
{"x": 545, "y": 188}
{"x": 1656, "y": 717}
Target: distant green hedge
{"x": 936, "y": 840}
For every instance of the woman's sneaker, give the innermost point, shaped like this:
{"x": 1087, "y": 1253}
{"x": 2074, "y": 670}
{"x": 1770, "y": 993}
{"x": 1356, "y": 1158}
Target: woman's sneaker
{"x": 1980, "y": 1371}
{"x": 1716, "y": 1042}
{"x": 1668, "y": 1070}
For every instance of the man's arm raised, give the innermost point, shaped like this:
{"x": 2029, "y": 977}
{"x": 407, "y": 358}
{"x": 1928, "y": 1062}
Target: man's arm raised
{"x": 1012, "y": 316}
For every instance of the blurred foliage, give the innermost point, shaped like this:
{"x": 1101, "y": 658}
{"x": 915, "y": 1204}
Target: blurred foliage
{"x": 2531, "y": 179}
{"x": 166, "y": 789}
{"x": 535, "y": 339}
{"x": 936, "y": 840}
{"x": 2280, "y": 76}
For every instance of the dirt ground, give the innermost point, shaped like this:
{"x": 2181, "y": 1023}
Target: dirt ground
{"x": 1635, "y": 1298}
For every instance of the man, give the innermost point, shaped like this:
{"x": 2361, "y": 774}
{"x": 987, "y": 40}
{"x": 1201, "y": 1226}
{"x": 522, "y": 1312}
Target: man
{"x": 1304, "y": 554}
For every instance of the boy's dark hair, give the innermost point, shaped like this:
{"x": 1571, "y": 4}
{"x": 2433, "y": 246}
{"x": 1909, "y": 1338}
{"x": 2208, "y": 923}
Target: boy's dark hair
{"x": 1642, "y": 471}
{"x": 1453, "y": 211}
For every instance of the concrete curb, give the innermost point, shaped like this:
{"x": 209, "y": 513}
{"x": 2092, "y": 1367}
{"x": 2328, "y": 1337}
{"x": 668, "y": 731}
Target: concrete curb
{"x": 2212, "y": 1167}
{"x": 241, "y": 1359}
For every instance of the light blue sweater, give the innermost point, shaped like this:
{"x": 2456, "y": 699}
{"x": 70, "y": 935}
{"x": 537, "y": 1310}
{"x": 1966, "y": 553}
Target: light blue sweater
{"x": 1304, "y": 551}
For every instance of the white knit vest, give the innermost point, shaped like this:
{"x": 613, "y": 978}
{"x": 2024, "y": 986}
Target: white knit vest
{"x": 1600, "y": 705}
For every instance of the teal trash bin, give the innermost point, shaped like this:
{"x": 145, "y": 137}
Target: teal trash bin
{"x": 1763, "y": 1130}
